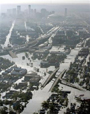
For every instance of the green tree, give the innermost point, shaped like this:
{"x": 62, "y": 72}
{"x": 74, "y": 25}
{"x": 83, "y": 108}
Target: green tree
{"x": 51, "y": 107}
{"x": 45, "y": 104}
{"x": 35, "y": 113}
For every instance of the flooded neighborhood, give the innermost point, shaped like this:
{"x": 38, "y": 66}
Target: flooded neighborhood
{"x": 45, "y": 59}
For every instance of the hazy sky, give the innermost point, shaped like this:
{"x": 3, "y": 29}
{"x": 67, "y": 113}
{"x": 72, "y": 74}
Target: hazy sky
{"x": 43, "y": 1}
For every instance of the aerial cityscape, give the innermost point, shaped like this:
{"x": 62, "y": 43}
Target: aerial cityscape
{"x": 45, "y": 59}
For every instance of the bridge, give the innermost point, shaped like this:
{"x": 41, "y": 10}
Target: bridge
{"x": 56, "y": 81}
{"x": 50, "y": 77}
{"x": 62, "y": 81}
{"x": 71, "y": 85}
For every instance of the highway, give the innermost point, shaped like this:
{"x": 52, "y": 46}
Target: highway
{"x": 50, "y": 77}
{"x": 71, "y": 85}
{"x": 32, "y": 43}
{"x": 62, "y": 81}
{"x": 56, "y": 81}
{"x": 45, "y": 36}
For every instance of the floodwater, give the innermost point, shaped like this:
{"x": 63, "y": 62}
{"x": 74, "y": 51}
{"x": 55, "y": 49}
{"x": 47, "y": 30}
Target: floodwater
{"x": 42, "y": 94}
{"x": 70, "y": 58}
{"x": 9, "y": 35}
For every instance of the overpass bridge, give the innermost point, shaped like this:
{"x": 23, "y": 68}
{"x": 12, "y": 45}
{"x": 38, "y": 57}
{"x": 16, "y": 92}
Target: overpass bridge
{"x": 50, "y": 77}
{"x": 62, "y": 81}
{"x": 56, "y": 81}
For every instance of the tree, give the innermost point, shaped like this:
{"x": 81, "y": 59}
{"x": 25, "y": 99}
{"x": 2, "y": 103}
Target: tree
{"x": 51, "y": 107}
{"x": 45, "y": 104}
{"x": 35, "y": 113}
{"x": 23, "y": 57}
{"x": 26, "y": 54}
{"x": 3, "y": 110}
{"x": 77, "y": 79}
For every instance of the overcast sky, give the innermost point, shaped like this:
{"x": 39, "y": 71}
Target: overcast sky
{"x": 43, "y": 1}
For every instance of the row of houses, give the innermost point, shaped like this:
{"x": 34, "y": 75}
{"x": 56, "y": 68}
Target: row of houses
{"x": 15, "y": 71}
{"x": 45, "y": 64}
{"x": 33, "y": 78}
{"x": 56, "y": 101}
{"x": 83, "y": 52}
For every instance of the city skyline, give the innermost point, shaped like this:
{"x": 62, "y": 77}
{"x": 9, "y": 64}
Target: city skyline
{"x": 45, "y": 57}
{"x": 43, "y": 1}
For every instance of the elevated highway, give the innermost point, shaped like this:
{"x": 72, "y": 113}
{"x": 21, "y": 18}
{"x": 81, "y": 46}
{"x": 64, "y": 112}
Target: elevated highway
{"x": 50, "y": 77}
{"x": 56, "y": 81}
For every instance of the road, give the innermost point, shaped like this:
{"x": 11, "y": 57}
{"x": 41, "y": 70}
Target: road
{"x": 9, "y": 35}
{"x": 50, "y": 77}
{"x": 62, "y": 81}
{"x": 45, "y": 36}
{"x": 71, "y": 85}
{"x": 56, "y": 81}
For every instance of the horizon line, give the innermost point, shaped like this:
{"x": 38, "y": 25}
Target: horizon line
{"x": 43, "y": 3}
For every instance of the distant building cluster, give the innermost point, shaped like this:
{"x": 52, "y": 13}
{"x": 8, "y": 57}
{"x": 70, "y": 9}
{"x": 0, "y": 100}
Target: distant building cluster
{"x": 18, "y": 11}
{"x": 28, "y": 12}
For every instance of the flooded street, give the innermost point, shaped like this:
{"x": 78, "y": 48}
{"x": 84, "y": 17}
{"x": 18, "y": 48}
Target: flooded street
{"x": 44, "y": 51}
{"x": 38, "y": 97}
{"x": 70, "y": 58}
{"x": 42, "y": 94}
{"x": 27, "y": 37}
{"x": 9, "y": 35}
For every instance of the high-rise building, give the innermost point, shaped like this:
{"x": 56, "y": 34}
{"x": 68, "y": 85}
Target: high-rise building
{"x": 65, "y": 12}
{"x": 29, "y": 9}
{"x": 14, "y": 11}
{"x": 9, "y": 12}
{"x": 18, "y": 10}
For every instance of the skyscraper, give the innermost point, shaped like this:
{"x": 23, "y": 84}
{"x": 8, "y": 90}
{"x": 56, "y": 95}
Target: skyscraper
{"x": 29, "y": 9}
{"x": 14, "y": 11}
{"x": 9, "y": 12}
{"x": 18, "y": 10}
{"x": 65, "y": 12}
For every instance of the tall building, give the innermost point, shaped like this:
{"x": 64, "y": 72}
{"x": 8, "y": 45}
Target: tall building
{"x": 9, "y": 12}
{"x": 29, "y": 9}
{"x": 14, "y": 11}
{"x": 18, "y": 10}
{"x": 65, "y": 12}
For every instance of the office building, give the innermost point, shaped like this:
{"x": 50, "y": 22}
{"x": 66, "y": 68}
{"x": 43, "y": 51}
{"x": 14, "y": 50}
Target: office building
{"x": 18, "y": 10}
{"x": 65, "y": 12}
{"x": 29, "y": 9}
